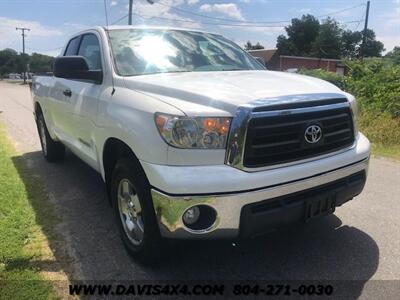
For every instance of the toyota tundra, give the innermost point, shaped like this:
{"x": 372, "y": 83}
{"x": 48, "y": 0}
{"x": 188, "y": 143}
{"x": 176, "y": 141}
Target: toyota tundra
{"x": 194, "y": 138}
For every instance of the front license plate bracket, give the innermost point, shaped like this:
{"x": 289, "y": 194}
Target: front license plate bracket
{"x": 319, "y": 206}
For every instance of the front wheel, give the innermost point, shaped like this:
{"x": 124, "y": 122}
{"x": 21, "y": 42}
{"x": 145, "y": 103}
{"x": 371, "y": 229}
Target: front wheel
{"x": 134, "y": 212}
{"x": 52, "y": 150}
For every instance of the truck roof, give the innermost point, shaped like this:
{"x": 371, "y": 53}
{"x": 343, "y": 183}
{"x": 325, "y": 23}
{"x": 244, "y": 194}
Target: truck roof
{"x": 116, "y": 27}
{"x": 119, "y": 27}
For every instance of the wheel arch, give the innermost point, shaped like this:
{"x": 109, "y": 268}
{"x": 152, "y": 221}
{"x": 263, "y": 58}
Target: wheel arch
{"x": 37, "y": 109}
{"x": 113, "y": 150}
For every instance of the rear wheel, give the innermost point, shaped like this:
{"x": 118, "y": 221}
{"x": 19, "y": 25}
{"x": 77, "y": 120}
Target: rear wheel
{"x": 52, "y": 150}
{"x": 134, "y": 212}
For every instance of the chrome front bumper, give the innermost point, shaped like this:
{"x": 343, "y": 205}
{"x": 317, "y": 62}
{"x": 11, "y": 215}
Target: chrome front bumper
{"x": 170, "y": 208}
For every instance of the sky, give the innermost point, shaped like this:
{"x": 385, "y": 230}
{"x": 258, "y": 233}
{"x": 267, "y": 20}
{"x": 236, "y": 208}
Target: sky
{"x": 52, "y": 22}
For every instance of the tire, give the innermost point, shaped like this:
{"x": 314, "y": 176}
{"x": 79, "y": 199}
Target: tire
{"x": 134, "y": 211}
{"x": 52, "y": 151}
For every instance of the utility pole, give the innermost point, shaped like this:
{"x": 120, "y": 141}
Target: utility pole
{"x": 23, "y": 29}
{"x": 364, "y": 41}
{"x": 130, "y": 12}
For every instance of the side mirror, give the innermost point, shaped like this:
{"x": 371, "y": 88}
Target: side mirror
{"x": 76, "y": 67}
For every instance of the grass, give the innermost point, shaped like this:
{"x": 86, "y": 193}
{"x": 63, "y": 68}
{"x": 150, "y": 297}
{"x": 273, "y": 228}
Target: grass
{"x": 392, "y": 152}
{"x": 375, "y": 84}
{"x": 380, "y": 128}
{"x": 24, "y": 250}
{"x": 384, "y": 133}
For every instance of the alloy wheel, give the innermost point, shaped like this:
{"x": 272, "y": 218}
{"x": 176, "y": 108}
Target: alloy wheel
{"x": 130, "y": 211}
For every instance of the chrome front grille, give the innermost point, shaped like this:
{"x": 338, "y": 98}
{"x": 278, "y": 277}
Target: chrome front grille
{"x": 273, "y": 133}
{"x": 280, "y": 139}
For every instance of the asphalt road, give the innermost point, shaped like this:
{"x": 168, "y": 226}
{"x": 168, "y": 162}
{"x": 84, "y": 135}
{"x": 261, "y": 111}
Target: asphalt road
{"x": 361, "y": 242}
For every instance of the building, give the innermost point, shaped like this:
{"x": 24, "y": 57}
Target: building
{"x": 269, "y": 56}
{"x": 299, "y": 62}
{"x": 276, "y": 62}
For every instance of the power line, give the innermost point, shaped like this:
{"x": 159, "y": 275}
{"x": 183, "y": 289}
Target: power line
{"x": 252, "y": 22}
{"x": 206, "y": 23}
{"x": 120, "y": 19}
{"x": 209, "y": 23}
{"x": 350, "y": 22}
{"x": 361, "y": 20}
{"x": 340, "y": 11}
{"x": 358, "y": 25}
{"x": 10, "y": 43}
{"x": 44, "y": 50}
{"x": 238, "y": 23}
{"x": 217, "y": 18}
{"x": 241, "y": 23}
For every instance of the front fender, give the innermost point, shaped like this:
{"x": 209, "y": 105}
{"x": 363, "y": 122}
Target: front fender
{"x": 129, "y": 117}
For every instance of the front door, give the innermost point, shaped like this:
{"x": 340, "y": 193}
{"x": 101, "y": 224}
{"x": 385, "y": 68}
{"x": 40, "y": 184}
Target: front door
{"x": 83, "y": 102}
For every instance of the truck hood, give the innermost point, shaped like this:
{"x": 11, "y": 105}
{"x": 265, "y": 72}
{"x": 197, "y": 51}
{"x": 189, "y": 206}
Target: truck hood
{"x": 220, "y": 93}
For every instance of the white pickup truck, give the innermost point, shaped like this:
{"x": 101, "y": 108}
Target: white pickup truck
{"x": 194, "y": 138}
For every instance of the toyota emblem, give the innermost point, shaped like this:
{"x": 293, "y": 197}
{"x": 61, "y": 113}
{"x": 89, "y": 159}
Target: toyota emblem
{"x": 313, "y": 134}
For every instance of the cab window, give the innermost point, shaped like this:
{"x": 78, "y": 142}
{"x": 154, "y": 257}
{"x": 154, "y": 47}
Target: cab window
{"x": 90, "y": 49}
{"x": 72, "y": 47}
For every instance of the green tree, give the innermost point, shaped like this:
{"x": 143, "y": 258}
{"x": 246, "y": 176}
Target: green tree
{"x": 328, "y": 43}
{"x": 250, "y": 46}
{"x": 351, "y": 41}
{"x": 373, "y": 48}
{"x": 40, "y": 63}
{"x": 301, "y": 34}
{"x": 308, "y": 37}
{"x": 12, "y": 62}
{"x": 286, "y": 46}
{"x": 394, "y": 55}
{"x": 352, "y": 44}
{"x": 7, "y": 61}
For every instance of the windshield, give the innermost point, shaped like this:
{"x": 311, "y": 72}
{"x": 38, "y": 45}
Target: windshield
{"x": 149, "y": 51}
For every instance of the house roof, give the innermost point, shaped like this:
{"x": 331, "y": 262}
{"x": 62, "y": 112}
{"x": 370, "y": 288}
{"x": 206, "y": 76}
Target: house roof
{"x": 311, "y": 58}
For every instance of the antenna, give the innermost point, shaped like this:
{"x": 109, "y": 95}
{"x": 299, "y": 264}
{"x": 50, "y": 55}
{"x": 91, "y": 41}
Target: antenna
{"x": 109, "y": 45}
{"x": 105, "y": 12}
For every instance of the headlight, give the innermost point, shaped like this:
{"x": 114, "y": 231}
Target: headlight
{"x": 354, "y": 112}
{"x": 193, "y": 133}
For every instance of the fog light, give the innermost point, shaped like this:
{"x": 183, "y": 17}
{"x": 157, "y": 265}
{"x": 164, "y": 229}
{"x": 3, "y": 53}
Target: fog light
{"x": 191, "y": 215}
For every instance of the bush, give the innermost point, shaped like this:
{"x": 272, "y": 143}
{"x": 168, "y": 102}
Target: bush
{"x": 376, "y": 85}
{"x": 338, "y": 80}
{"x": 381, "y": 129}
{"x": 374, "y": 82}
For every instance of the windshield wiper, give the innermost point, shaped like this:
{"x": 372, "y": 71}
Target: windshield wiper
{"x": 178, "y": 71}
{"x": 237, "y": 69}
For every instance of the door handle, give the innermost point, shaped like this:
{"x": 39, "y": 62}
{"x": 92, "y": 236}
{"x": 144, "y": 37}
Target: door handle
{"x": 67, "y": 92}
